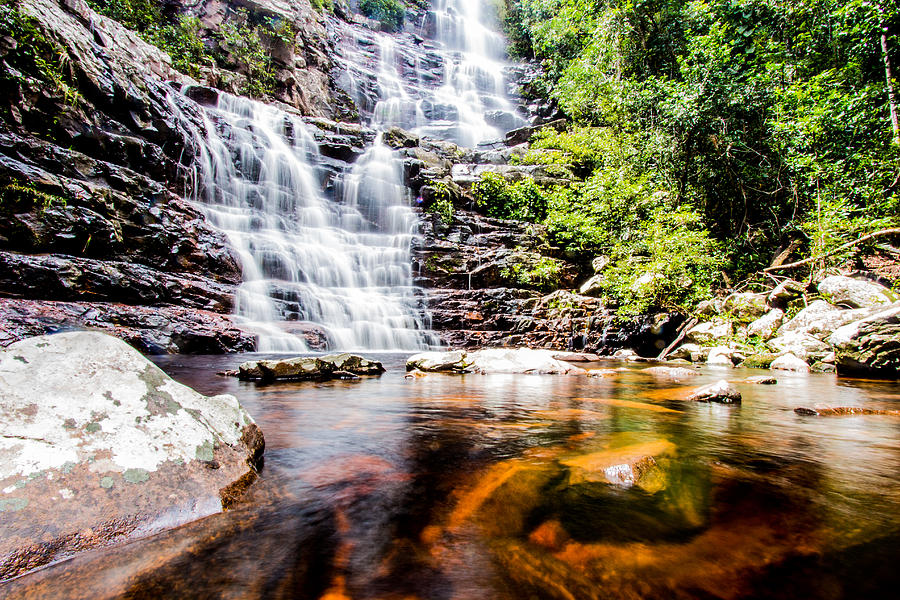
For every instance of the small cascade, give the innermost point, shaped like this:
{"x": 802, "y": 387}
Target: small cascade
{"x": 314, "y": 267}
{"x": 445, "y": 80}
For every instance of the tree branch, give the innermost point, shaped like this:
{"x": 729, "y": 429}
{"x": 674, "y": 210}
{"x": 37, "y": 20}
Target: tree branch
{"x": 868, "y": 236}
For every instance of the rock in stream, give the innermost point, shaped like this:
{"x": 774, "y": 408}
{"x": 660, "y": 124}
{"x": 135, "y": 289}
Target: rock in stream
{"x": 98, "y": 444}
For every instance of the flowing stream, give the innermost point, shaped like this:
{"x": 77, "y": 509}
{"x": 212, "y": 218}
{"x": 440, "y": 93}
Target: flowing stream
{"x": 517, "y": 486}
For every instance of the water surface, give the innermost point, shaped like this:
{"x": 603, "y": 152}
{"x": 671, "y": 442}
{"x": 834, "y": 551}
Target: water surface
{"x": 465, "y": 487}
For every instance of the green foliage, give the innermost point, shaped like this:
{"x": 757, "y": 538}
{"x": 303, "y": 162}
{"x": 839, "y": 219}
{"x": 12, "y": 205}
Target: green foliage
{"x": 178, "y": 36}
{"x": 34, "y": 55}
{"x": 18, "y": 196}
{"x": 242, "y": 42}
{"x": 389, "y": 12}
{"x": 183, "y": 43}
{"x": 322, "y": 5}
{"x": 523, "y": 200}
{"x": 531, "y": 270}
{"x": 767, "y": 120}
{"x": 441, "y": 205}
{"x": 673, "y": 265}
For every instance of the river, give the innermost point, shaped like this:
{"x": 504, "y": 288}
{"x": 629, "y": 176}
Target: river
{"x": 471, "y": 486}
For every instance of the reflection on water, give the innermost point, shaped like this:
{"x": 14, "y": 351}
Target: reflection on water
{"x": 459, "y": 487}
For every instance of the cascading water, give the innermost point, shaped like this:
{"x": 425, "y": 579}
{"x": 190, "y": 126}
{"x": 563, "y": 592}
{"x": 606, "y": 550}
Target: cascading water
{"x": 338, "y": 270}
{"x": 451, "y": 87}
{"x": 310, "y": 264}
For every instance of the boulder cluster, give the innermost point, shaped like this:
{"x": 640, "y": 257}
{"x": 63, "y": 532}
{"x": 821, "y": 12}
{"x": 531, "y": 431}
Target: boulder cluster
{"x": 845, "y": 324}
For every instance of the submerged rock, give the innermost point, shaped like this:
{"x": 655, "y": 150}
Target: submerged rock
{"x": 98, "y": 444}
{"x": 636, "y": 464}
{"x": 576, "y": 357}
{"x": 720, "y": 391}
{"x": 842, "y": 411}
{"x": 494, "y": 360}
{"x": 761, "y": 380}
{"x": 674, "y": 373}
{"x": 333, "y": 366}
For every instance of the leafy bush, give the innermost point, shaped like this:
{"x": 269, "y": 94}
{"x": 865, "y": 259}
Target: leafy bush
{"x": 244, "y": 46}
{"x": 523, "y": 200}
{"x": 35, "y": 55}
{"x": 441, "y": 205}
{"x": 532, "y": 270}
{"x": 389, "y": 12}
{"x": 674, "y": 264}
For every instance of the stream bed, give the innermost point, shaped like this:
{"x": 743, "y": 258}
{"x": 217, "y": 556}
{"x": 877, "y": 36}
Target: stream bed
{"x": 508, "y": 486}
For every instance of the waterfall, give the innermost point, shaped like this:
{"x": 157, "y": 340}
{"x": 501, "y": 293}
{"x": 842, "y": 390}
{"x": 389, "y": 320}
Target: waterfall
{"x": 337, "y": 269}
{"x": 451, "y": 87}
{"x": 334, "y": 270}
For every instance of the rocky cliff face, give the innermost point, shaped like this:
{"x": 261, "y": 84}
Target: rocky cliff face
{"x": 96, "y": 163}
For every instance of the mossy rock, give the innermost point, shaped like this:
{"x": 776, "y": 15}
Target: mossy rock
{"x": 759, "y": 361}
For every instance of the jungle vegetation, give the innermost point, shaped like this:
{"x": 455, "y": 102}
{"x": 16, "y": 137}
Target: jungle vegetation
{"x": 709, "y": 140}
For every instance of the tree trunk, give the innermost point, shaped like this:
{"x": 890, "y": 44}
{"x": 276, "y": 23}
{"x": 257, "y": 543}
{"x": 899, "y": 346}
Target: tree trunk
{"x": 890, "y": 84}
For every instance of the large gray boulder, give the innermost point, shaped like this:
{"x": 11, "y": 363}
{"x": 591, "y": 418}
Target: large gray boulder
{"x": 799, "y": 344}
{"x": 766, "y": 326}
{"x": 98, "y": 444}
{"x": 820, "y": 319}
{"x": 709, "y": 332}
{"x": 870, "y": 346}
{"x": 493, "y": 360}
{"x": 855, "y": 293}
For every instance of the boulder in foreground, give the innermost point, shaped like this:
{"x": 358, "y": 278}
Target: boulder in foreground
{"x": 493, "y": 360}
{"x": 99, "y": 444}
{"x": 332, "y": 366}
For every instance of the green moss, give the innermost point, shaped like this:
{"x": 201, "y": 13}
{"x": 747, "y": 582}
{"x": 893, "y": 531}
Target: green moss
{"x": 205, "y": 451}
{"x": 136, "y": 475}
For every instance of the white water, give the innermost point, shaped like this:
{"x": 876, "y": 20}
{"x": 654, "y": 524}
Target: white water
{"x": 452, "y": 87}
{"x": 310, "y": 262}
{"x": 340, "y": 268}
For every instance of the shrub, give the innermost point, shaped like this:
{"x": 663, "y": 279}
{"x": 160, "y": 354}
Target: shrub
{"x": 389, "y": 12}
{"x": 244, "y": 46}
{"x": 532, "y": 270}
{"x": 523, "y": 200}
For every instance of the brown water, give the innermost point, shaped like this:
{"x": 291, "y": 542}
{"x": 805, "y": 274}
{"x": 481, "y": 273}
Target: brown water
{"x": 476, "y": 487}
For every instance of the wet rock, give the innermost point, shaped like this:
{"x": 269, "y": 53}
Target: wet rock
{"x": 497, "y": 360}
{"x": 99, "y": 444}
{"x": 759, "y": 361}
{"x": 745, "y": 306}
{"x": 855, "y": 293}
{"x": 799, "y": 344}
{"x": 820, "y": 319}
{"x": 333, "y": 366}
{"x": 709, "y": 332}
{"x": 786, "y": 291}
{"x": 761, "y": 380}
{"x": 576, "y": 357}
{"x": 789, "y": 362}
{"x": 686, "y": 352}
{"x": 400, "y": 138}
{"x": 720, "y": 391}
{"x": 150, "y": 329}
{"x": 766, "y": 326}
{"x": 601, "y": 373}
{"x": 720, "y": 356}
{"x": 673, "y": 373}
{"x": 822, "y": 367}
{"x": 870, "y": 346}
